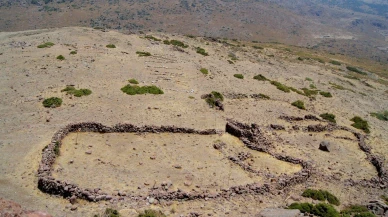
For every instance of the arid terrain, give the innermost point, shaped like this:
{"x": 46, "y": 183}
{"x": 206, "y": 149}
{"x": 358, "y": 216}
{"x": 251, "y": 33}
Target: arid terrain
{"x": 129, "y": 166}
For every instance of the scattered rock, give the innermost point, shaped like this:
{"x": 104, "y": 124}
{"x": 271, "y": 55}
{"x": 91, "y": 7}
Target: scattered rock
{"x": 378, "y": 207}
{"x": 325, "y": 146}
{"x": 88, "y": 152}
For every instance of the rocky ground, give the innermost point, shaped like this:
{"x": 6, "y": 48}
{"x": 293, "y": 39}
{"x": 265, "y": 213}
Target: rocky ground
{"x": 29, "y": 75}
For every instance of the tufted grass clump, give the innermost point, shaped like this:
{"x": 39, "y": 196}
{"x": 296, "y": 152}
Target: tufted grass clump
{"x": 202, "y": 51}
{"x": 111, "y": 46}
{"x": 356, "y": 211}
{"x": 361, "y": 124}
{"x": 176, "y": 43}
{"x": 383, "y": 115}
{"x": 143, "y": 54}
{"x": 150, "y": 37}
{"x": 204, "y": 71}
{"x": 77, "y": 93}
{"x": 299, "y": 104}
{"x": 260, "y": 77}
{"x": 335, "y": 62}
{"x": 73, "y": 52}
{"x": 46, "y": 45}
{"x": 152, "y": 213}
{"x": 60, "y": 57}
{"x": 321, "y": 209}
{"x": 281, "y": 86}
{"x": 239, "y": 76}
{"x": 133, "y": 81}
{"x": 356, "y": 70}
{"x": 134, "y": 89}
{"x": 52, "y": 102}
{"x": 308, "y": 92}
{"x": 213, "y": 97}
{"x": 326, "y": 94}
{"x": 329, "y": 117}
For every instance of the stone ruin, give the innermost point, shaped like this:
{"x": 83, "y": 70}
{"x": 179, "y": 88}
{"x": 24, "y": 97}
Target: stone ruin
{"x": 251, "y": 135}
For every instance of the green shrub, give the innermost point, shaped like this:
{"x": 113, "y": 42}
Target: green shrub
{"x": 356, "y": 70}
{"x": 213, "y": 97}
{"x": 334, "y": 62}
{"x": 239, "y": 76}
{"x": 321, "y": 195}
{"x": 337, "y": 86}
{"x": 351, "y": 77}
{"x": 111, "y": 46}
{"x": 280, "y": 86}
{"x": 150, "y": 37}
{"x": 309, "y": 79}
{"x": 365, "y": 214}
{"x": 257, "y": 47}
{"x": 151, "y": 213}
{"x": 383, "y": 115}
{"x": 230, "y": 62}
{"x": 78, "y": 93}
{"x": 133, "y": 81}
{"x": 260, "y": 95}
{"x": 361, "y": 124}
{"x": 134, "y": 89}
{"x": 57, "y": 150}
{"x": 73, "y": 52}
{"x": 47, "y": 44}
{"x": 260, "y": 77}
{"x": 308, "y": 92}
{"x": 202, "y": 51}
{"x": 312, "y": 86}
{"x": 329, "y": 117}
{"x": 143, "y": 54}
{"x": 296, "y": 90}
{"x": 60, "y": 57}
{"x": 111, "y": 213}
{"x": 325, "y": 94}
{"x": 52, "y": 102}
{"x": 325, "y": 210}
{"x": 175, "y": 43}
{"x": 331, "y": 198}
{"x": 303, "y": 207}
{"x": 299, "y": 104}
{"x": 354, "y": 209}
{"x": 204, "y": 71}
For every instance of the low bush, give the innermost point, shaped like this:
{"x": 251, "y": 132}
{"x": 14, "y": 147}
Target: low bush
{"x": 204, "y": 71}
{"x": 78, "y": 93}
{"x": 73, "y": 52}
{"x": 260, "y": 77}
{"x": 151, "y": 213}
{"x": 133, "y": 81}
{"x": 134, "y": 89}
{"x": 213, "y": 97}
{"x": 109, "y": 212}
{"x": 230, "y": 62}
{"x": 150, "y": 37}
{"x": 176, "y": 43}
{"x": 60, "y": 57}
{"x": 47, "y": 44}
{"x": 111, "y": 46}
{"x": 52, "y": 102}
{"x": 296, "y": 91}
{"x": 309, "y": 79}
{"x": 143, "y": 54}
{"x": 321, "y": 195}
{"x": 356, "y": 211}
{"x": 356, "y": 70}
{"x": 329, "y": 117}
{"x": 326, "y": 94}
{"x": 299, "y": 104}
{"x": 308, "y": 92}
{"x": 239, "y": 76}
{"x": 312, "y": 86}
{"x": 383, "y": 115}
{"x": 280, "y": 86}
{"x": 321, "y": 209}
{"x": 57, "y": 149}
{"x": 202, "y": 51}
{"x": 335, "y": 62}
{"x": 361, "y": 124}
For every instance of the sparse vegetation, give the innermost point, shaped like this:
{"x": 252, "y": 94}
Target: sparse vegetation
{"x": 213, "y": 97}
{"x": 57, "y": 149}
{"x": 239, "y": 76}
{"x": 335, "y": 62}
{"x": 150, "y": 37}
{"x": 312, "y": 86}
{"x": 385, "y": 198}
{"x": 299, "y": 104}
{"x": 204, "y": 71}
{"x": 321, "y": 209}
{"x": 309, "y": 79}
{"x": 134, "y": 89}
{"x": 151, "y": 213}
{"x": 60, "y": 57}
{"x": 308, "y": 92}
{"x": 230, "y": 62}
{"x": 52, "y": 102}
{"x": 337, "y": 86}
{"x": 202, "y": 51}
{"x": 260, "y": 95}
{"x": 260, "y": 77}
{"x": 326, "y": 94}
{"x": 46, "y": 45}
{"x": 133, "y": 81}
{"x": 73, "y": 52}
{"x": 257, "y": 47}
{"x": 351, "y": 77}
{"x": 111, "y": 46}
{"x": 280, "y": 86}
{"x": 77, "y": 93}
{"x": 143, "y": 54}
{"x": 383, "y": 115}
{"x": 361, "y": 124}
{"x": 328, "y": 116}
{"x": 109, "y": 212}
{"x": 356, "y": 70}
{"x": 176, "y": 43}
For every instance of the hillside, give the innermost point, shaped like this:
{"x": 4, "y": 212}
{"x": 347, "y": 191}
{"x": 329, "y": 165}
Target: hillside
{"x": 358, "y": 29}
{"x": 227, "y": 127}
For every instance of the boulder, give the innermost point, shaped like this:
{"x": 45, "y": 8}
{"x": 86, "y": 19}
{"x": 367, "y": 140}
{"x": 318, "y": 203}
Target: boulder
{"x": 325, "y": 146}
{"x": 276, "y": 212}
{"x": 378, "y": 207}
